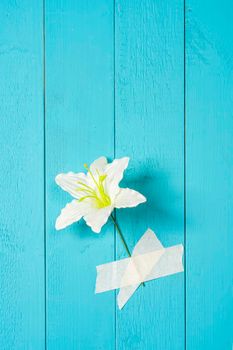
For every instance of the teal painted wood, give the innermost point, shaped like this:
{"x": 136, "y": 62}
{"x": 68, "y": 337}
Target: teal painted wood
{"x": 79, "y": 128}
{"x": 209, "y": 175}
{"x": 150, "y": 129}
{"x": 22, "y": 178}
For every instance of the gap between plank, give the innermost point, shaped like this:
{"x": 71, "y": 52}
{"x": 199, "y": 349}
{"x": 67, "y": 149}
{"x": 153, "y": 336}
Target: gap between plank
{"x": 44, "y": 146}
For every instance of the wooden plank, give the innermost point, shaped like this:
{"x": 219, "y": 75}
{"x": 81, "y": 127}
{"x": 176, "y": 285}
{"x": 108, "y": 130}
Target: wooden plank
{"x": 80, "y": 128}
{"x": 150, "y": 129}
{"x": 22, "y": 323}
{"x": 209, "y": 175}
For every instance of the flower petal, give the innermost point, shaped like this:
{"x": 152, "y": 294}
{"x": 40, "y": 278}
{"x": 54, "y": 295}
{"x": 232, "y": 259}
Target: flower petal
{"x": 96, "y": 218}
{"x": 69, "y": 183}
{"x": 72, "y": 212}
{"x": 99, "y": 165}
{"x": 127, "y": 198}
{"x": 97, "y": 168}
{"x": 115, "y": 171}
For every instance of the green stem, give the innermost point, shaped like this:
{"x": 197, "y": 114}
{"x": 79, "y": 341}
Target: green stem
{"x": 122, "y": 239}
{"x": 121, "y": 235}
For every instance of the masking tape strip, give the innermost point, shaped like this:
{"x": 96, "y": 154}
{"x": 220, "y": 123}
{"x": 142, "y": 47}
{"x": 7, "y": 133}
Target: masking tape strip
{"x": 150, "y": 260}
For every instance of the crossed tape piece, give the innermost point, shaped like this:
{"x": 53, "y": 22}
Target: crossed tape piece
{"x": 150, "y": 260}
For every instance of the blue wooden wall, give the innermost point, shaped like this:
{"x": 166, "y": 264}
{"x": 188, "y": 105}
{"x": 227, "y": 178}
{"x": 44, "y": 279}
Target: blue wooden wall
{"x": 150, "y": 79}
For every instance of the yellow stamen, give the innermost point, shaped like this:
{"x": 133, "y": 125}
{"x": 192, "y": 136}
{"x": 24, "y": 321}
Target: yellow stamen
{"x": 100, "y": 198}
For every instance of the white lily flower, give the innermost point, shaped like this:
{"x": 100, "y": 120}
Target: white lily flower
{"x": 96, "y": 193}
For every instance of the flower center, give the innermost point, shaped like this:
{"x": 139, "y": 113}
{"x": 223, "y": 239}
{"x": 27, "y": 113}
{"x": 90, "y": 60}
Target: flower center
{"x": 97, "y": 194}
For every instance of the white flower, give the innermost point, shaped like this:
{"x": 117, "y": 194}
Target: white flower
{"x": 96, "y": 193}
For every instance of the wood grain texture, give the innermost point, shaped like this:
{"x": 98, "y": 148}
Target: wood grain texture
{"x": 137, "y": 48}
{"x": 79, "y": 128}
{"x": 22, "y": 177}
{"x": 209, "y": 175}
{"x": 150, "y": 129}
